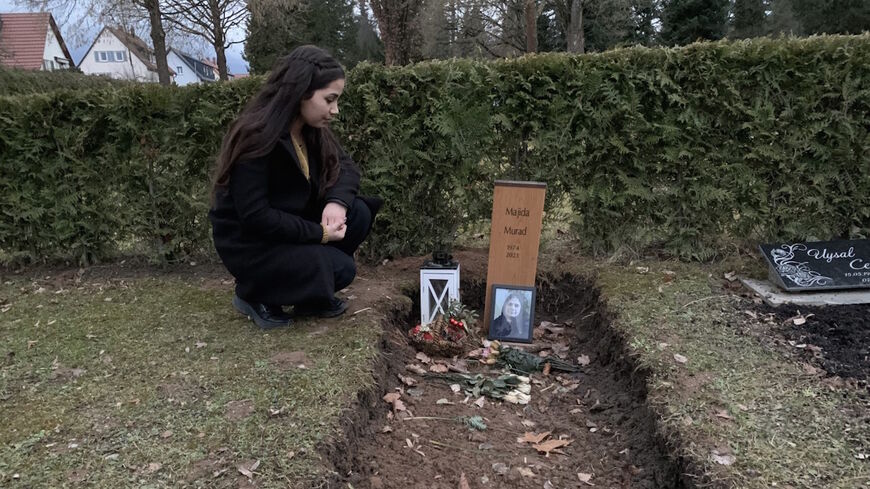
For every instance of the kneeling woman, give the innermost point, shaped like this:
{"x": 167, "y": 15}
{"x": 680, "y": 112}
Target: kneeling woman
{"x": 286, "y": 217}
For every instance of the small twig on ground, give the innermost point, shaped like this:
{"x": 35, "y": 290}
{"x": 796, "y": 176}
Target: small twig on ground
{"x": 545, "y": 389}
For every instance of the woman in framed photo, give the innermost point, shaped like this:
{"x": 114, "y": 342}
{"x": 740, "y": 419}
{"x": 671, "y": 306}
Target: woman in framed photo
{"x": 512, "y": 322}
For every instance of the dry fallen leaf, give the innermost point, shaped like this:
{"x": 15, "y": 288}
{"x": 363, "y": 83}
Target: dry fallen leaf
{"x": 722, "y": 413}
{"x": 398, "y": 405}
{"x": 480, "y": 402}
{"x": 416, "y": 369}
{"x": 551, "y": 445}
{"x": 438, "y": 368}
{"x": 585, "y": 478}
{"x": 409, "y": 381}
{"x": 423, "y": 357}
{"x": 583, "y": 360}
{"x": 455, "y": 388}
{"x": 546, "y": 368}
{"x": 525, "y": 472}
{"x": 443, "y": 401}
{"x": 463, "y": 482}
{"x": 529, "y": 437}
{"x": 723, "y": 459}
{"x": 680, "y": 358}
{"x": 391, "y": 397}
{"x": 529, "y": 423}
{"x": 248, "y": 470}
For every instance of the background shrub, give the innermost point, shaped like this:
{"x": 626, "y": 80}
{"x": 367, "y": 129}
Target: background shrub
{"x": 688, "y": 151}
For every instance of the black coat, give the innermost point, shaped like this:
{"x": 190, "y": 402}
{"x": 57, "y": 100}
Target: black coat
{"x": 266, "y": 225}
{"x": 501, "y": 328}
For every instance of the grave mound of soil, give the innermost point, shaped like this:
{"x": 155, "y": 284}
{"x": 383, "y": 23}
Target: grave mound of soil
{"x": 591, "y": 427}
{"x": 835, "y": 337}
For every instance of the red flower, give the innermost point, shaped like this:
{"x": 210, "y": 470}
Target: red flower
{"x": 416, "y": 329}
{"x": 427, "y": 336}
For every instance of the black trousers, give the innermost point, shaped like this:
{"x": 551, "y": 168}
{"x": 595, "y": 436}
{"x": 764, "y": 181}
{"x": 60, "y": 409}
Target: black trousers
{"x": 359, "y": 223}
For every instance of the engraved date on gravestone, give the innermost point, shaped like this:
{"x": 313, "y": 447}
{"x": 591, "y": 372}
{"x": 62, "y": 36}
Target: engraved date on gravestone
{"x": 842, "y": 264}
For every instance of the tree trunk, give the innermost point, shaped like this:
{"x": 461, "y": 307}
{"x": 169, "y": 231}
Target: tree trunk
{"x": 530, "y": 11}
{"x": 158, "y": 38}
{"x": 397, "y": 22}
{"x": 576, "y": 37}
{"x": 219, "y": 40}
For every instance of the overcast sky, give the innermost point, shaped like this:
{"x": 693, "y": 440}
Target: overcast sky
{"x": 79, "y": 42}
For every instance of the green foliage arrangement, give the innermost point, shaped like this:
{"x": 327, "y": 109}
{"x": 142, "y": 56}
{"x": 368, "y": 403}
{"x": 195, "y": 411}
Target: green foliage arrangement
{"x": 19, "y": 82}
{"x": 687, "y": 150}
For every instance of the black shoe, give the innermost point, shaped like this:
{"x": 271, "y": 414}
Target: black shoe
{"x": 266, "y": 317}
{"x": 334, "y": 307}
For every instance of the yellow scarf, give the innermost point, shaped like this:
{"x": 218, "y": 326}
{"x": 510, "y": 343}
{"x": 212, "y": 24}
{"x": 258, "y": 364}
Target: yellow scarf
{"x": 302, "y": 154}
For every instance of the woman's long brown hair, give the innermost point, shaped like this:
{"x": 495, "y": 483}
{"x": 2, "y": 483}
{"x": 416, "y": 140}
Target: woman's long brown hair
{"x": 268, "y": 116}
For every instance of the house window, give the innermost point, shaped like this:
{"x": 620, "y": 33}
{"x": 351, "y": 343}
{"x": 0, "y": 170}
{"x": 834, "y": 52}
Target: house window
{"x": 120, "y": 56}
{"x": 178, "y": 70}
{"x": 101, "y": 56}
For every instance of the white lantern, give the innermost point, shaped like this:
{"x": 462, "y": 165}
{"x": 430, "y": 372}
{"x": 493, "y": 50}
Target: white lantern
{"x": 439, "y": 284}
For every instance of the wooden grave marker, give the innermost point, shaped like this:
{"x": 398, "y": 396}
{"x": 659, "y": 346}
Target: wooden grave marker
{"x": 517, "y": 217}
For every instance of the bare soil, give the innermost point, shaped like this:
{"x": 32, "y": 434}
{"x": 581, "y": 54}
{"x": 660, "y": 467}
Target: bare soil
{"x": 835, "y": 338}
{"x": 601, "y": 409}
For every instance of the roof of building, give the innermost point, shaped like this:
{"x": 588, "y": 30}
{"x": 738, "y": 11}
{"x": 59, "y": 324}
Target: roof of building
{"x": 22, "y": 39}
{"x": 209, "y": 62}
{"x": 203, "y": 70}
{"x": 134, "y": 45}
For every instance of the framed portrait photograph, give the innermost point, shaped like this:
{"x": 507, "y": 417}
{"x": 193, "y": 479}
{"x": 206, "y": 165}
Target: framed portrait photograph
{"x": 513, "y": 313}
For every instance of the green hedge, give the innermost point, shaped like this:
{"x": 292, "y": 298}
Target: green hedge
{"x": 689, "y": 150}
{"x": 19, "y": 82}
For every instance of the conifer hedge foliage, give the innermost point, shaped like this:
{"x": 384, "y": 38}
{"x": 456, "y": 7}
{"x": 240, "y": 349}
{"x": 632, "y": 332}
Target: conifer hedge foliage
{"x": 19, "y": 82}
{"x": 689, "y": 150}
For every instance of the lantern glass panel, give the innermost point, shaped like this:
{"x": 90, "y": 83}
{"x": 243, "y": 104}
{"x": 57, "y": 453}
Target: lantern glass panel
{"x": 436, "y": 296}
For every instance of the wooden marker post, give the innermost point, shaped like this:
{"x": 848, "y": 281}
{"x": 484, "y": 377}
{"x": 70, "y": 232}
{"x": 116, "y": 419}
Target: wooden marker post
{"x": 517, "y": 215}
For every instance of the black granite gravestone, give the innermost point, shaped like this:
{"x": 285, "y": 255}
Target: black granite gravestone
{"x": 820, "y": 265}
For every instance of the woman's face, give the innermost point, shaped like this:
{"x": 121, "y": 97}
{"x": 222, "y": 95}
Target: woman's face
{"x": 322, "y": 107}
{"x": 512, "y": 308}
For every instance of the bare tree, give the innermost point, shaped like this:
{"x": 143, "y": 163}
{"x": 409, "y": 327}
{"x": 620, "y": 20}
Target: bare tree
{"x": 398, "y": 23}
{"x": 570, "y": 13}
{"x": 210, "y": 19}
{"x": 530, "y": 15}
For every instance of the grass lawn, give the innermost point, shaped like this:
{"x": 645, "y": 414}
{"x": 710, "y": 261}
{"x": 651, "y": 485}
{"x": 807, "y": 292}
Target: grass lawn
{"x": 156, "y": 381}
{"x": 742, "y": 413}
{"x": 152, "y": 380}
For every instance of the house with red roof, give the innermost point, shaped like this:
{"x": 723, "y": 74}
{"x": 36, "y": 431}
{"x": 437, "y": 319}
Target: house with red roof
{"x": 120, "y": 54}
{"x": 32, "y": 41}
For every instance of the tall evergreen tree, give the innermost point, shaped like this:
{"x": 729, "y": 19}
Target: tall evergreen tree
{"x": 276, "y": 27}
{"x": 645, "y": 15}
{"x": 685, "y": 21}
{"x": 748, "y": 19}
{"x": 437, "y": 29}
{"x": 833, "y": 16}
{"x": 368, "y": 45}
{"x": 782, "y": 19}
{"x": 550, "y": 36}
{"x": 607, "y": 23}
